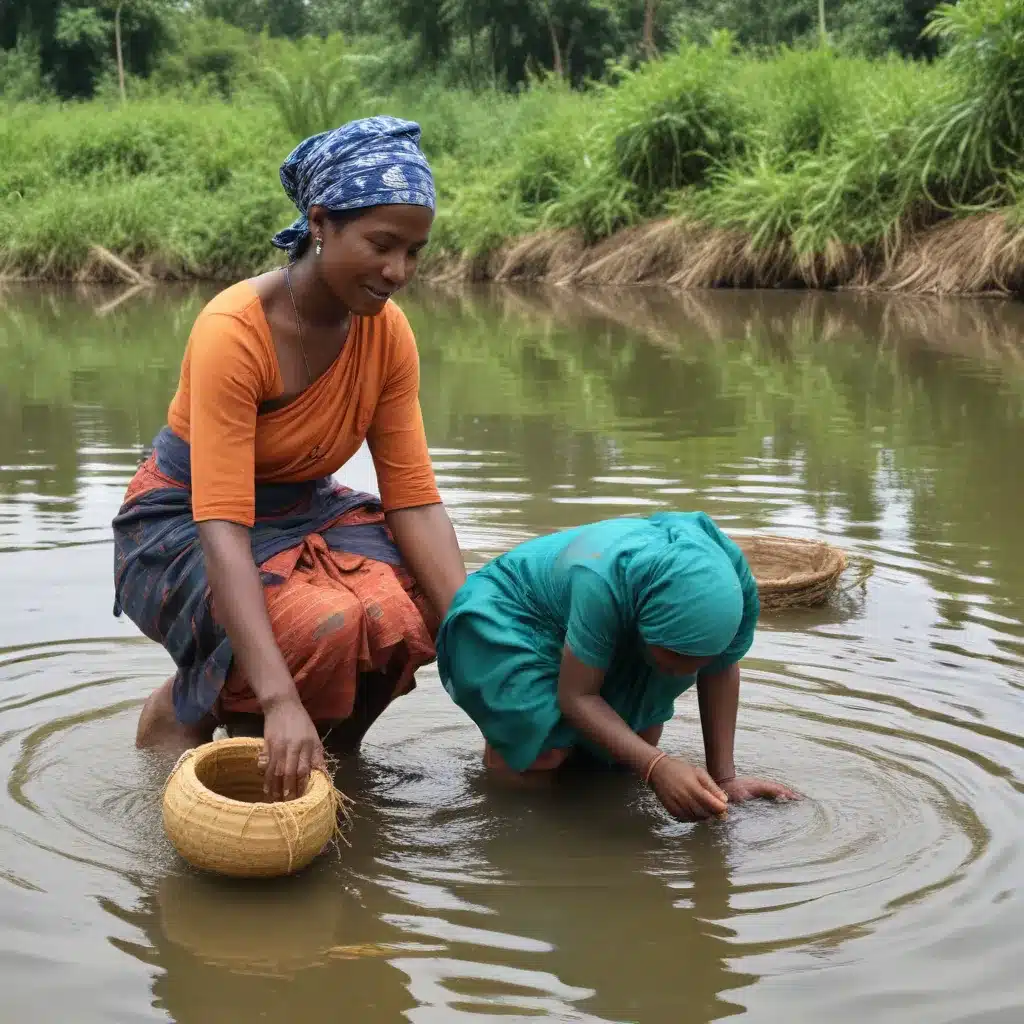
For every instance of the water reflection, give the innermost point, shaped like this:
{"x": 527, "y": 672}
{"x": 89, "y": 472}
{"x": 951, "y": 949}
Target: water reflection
{"x": 450, "y": 913}
{"x": 878, "y": 419}
{"x": 892, "y": 427}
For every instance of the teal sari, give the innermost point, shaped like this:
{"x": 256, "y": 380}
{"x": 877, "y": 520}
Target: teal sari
{"x": 606, "y": 591}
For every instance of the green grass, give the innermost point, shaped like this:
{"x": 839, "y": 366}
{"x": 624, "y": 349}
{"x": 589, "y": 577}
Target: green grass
{"x": 806, "y": 147}
{"x": 189, "y": 188}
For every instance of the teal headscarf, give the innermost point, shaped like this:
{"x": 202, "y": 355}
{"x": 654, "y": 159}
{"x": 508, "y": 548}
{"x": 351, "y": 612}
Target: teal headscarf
{"x": 692, "y": 589}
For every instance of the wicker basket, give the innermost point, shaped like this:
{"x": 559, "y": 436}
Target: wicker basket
{"x": 215, "y": 816}
{"x": 792, "y": 573}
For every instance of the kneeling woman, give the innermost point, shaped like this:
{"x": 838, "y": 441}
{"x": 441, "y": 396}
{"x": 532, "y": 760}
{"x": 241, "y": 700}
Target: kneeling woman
{"x": 289, "y": 604}
{"x": 584, "y": 639}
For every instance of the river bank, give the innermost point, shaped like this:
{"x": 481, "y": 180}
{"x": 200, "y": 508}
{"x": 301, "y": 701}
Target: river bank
{"x": 971, "y": 256}
{"x": 710, "y": 167}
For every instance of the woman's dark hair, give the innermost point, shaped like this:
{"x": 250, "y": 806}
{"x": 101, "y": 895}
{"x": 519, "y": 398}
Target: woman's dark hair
{"x": 339, "y": 218}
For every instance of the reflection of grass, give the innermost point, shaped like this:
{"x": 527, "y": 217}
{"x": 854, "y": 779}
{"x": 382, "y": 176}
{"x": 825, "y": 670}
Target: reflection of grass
{"x": 62, "y": 353}
{"x": 855, "y": 400}
{"x": 67, "y": 366}
{"x": 848, "y": 397}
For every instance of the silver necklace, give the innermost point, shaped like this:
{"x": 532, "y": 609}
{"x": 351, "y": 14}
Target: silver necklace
{"x": 298, "y": 322}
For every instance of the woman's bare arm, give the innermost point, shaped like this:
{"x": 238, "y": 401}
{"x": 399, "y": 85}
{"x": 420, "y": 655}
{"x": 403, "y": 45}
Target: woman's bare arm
{"x": 293, "y": 746}
{"x": 579, "y": 697}
{"x": 430, "y": 550}
{"x": 685, "y": 791}
{"x": 718, "y": 697}
{"x": 240, "y": 607}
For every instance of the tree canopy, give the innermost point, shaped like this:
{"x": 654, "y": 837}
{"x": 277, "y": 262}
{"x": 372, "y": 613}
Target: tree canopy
{"x": 500, "y": 43}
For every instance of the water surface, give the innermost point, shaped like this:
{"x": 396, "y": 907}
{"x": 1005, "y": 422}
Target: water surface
{"x": 892, "y": 893}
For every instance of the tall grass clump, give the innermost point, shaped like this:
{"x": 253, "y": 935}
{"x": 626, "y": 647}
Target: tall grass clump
{"x": 818, "y": 176}
{"x": 975, "y": 135}
{"x": 179, "y": 188}
{"x": 496, "y": 185}
{"x": 847, "y": 152}
{"x": 316, "y": 87}
{"x": 658, "y": 128}
{"x": 797, "y": 165}
{"x": 672, "y": 121}
{"x": 800, "y": 100}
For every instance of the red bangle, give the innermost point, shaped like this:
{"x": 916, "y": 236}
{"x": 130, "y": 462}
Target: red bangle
{"x": 655, "y": 761}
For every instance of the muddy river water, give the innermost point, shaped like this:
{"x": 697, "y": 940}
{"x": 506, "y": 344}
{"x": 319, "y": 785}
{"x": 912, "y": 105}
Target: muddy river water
{"x": 892, "y": 893}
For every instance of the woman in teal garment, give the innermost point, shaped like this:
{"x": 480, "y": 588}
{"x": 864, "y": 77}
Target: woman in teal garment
{"x": 583, "y": 640}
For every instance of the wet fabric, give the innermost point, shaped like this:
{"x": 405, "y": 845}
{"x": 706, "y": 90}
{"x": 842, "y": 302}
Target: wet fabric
{"x": 605, "y": 591}
{"x": 339, "y": 601}
{"x": 375, "y": 161}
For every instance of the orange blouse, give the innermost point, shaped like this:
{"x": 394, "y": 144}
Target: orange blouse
{"x": 371, "y": 393}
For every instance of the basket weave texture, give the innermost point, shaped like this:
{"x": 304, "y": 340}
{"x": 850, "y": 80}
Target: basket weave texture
{"x": 215, "y": 815}
{"x": 792, "y": 572}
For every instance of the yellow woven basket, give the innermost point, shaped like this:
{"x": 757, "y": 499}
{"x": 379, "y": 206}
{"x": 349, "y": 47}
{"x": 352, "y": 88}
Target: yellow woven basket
{"x": 215, "y": 815}
{"x": 791, "y": 572}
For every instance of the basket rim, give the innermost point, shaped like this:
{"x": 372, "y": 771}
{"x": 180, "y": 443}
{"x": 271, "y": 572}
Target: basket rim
{"x": 835, "y": 555}
{"x": 797, "y": 580}
{"x": 313, "y": 797}
{"x": 807, "y": 542}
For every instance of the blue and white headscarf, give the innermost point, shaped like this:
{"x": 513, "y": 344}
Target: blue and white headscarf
{"x": 376, "y": 161}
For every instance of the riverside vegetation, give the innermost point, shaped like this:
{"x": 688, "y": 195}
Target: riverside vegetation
{"x": 712, "y": 163}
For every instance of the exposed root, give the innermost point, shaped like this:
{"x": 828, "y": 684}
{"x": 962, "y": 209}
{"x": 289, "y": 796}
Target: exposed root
{"x": 977, "y": 255}
{"x": 648, "y": 254}
{"x": 103, "y": 265}
{"x": 546, "y": 256}
{"x": 980, "y": 255}
{"x": 970, "y": 256}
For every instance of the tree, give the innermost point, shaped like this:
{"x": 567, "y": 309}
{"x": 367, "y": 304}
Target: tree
{"x": 501, "y": 41}
{"x": 576, "y": 25}
{"x": 290, "y": 18}
{"x": 120, "y": 52}
{"x": 78, "y": 40}
{"x": 875, "y": 27}
{"x": 431, "y": 23}
{"x": 646, "y": 27}
{"x": 650, "y": 9}
{"x": 871, "y": 26}
{"x": 571, "y": 38}
{"x": 250, "y": 15}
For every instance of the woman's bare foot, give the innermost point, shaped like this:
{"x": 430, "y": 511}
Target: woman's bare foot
{"x": 159, "y": 728}
{"x": 540, "y": 773}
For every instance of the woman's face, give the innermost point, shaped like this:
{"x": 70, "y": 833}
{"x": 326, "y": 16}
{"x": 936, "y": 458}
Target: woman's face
{"x": 366, "y": 260}
{"x": 673, "y": 664}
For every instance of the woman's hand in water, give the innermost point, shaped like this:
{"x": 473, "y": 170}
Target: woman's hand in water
{"x": 292, "y": 748}
{"x": 687, "y": 792}
{"x": 743, "y": 788}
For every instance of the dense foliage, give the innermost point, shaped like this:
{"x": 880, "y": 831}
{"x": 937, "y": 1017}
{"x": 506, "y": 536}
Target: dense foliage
{"x": 800, "y": 149}
{"x": 69, "y": 46}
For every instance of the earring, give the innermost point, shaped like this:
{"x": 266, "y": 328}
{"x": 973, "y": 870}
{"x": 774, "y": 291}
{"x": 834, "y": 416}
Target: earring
{"x": 319, "y": 246}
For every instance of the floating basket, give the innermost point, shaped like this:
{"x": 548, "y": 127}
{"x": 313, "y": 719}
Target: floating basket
{"x": 792, "y": 573}
{"x": 215, "y": 815}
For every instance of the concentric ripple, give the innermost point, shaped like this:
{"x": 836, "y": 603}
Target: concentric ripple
{"x": 890, "y": 892}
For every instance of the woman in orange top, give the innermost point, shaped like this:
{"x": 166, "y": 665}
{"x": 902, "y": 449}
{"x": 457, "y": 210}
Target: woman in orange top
{"x": 280, "y": 595}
